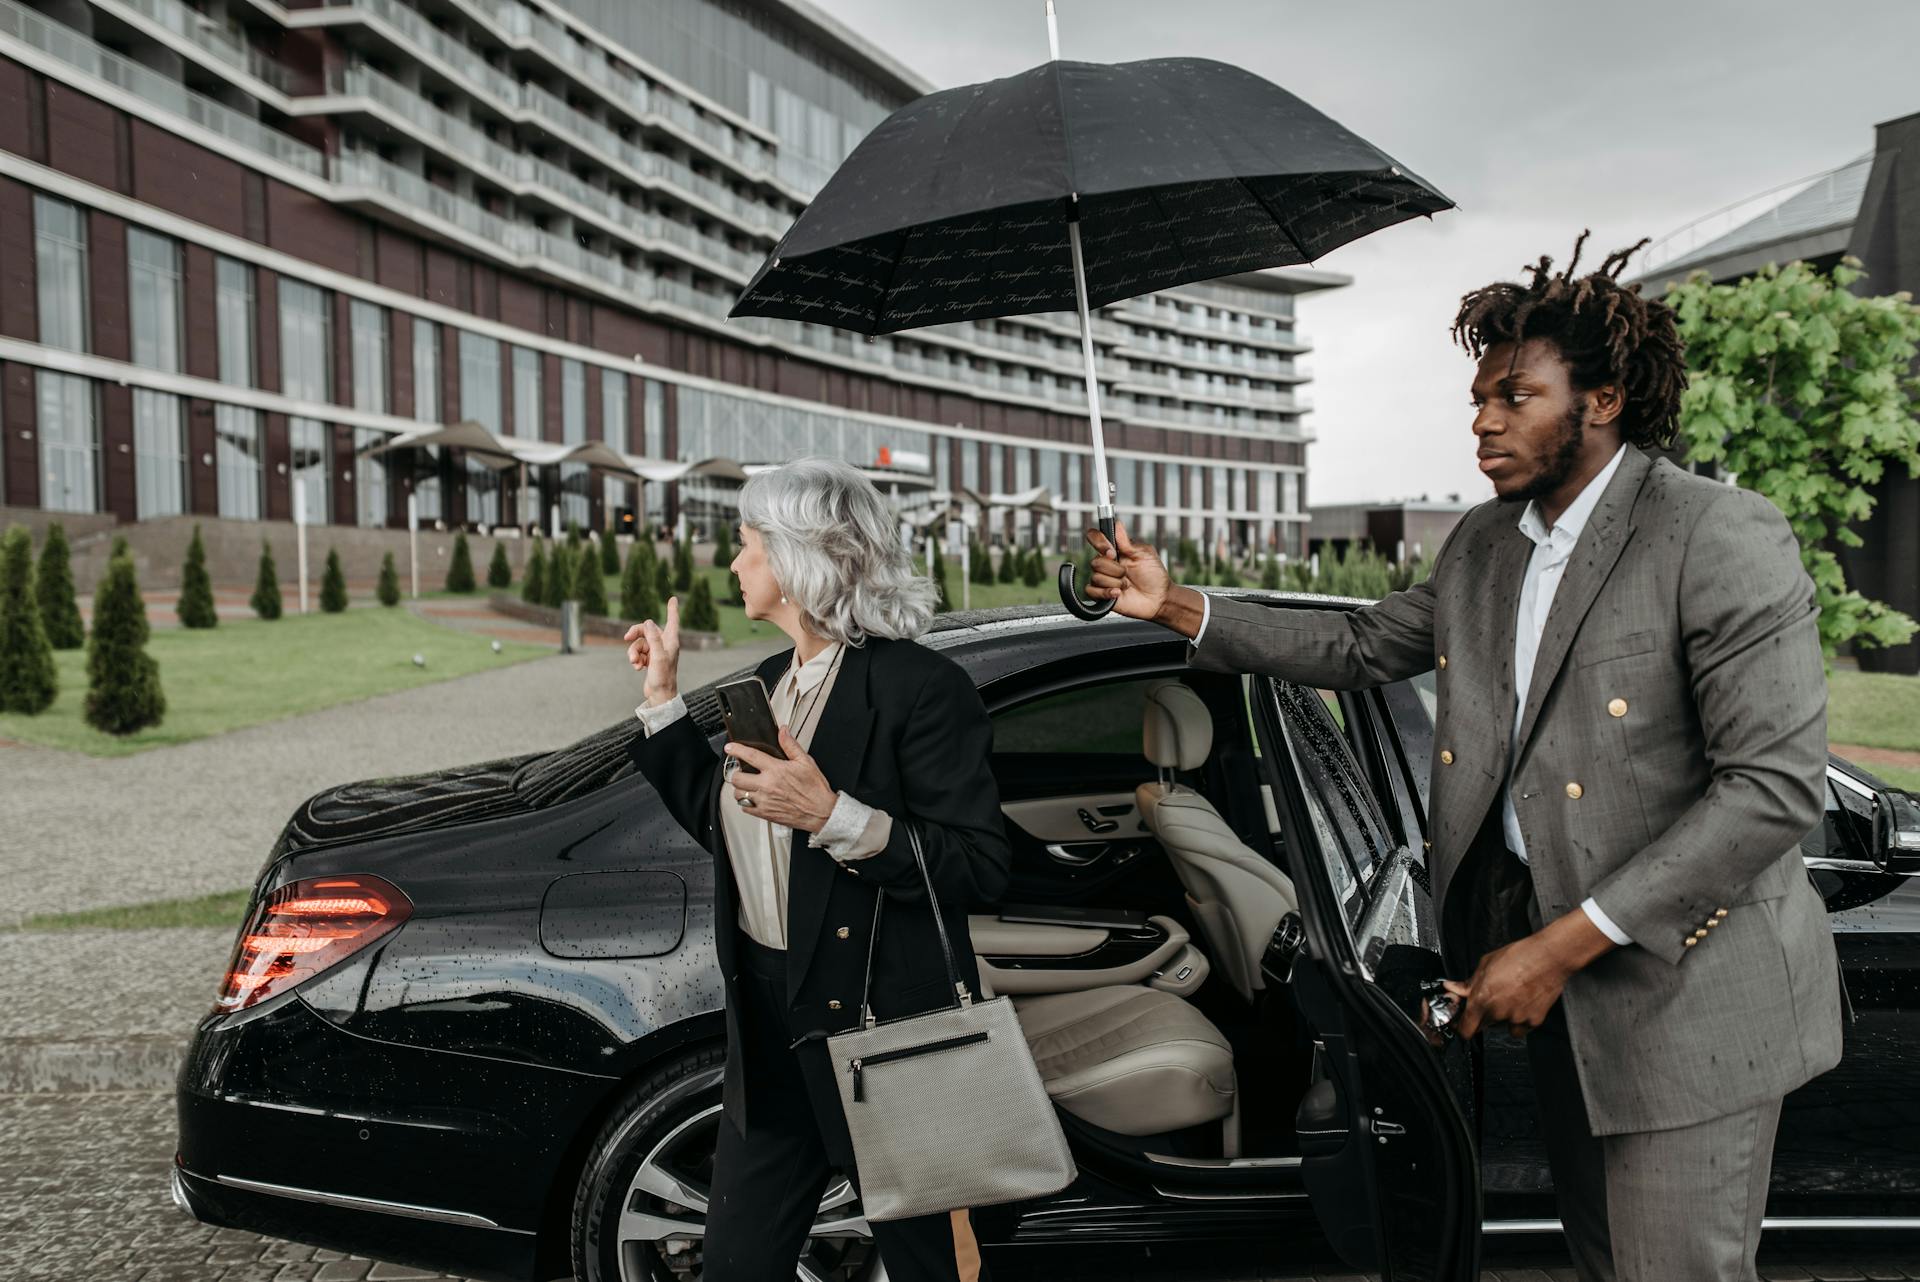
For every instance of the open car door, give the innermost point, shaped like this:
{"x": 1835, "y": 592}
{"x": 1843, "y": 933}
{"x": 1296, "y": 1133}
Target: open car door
{"x": 1386, "y": 1154}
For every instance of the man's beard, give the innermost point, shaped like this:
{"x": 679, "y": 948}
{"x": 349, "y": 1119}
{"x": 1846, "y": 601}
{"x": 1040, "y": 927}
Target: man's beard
{"x": 1561, "y": 463}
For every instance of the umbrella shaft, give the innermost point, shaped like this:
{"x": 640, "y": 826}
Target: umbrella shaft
{"x": 1102, "y": 488}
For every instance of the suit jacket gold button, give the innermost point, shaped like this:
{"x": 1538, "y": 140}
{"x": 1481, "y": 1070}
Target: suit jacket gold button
{"x": 1443, "y": 661}
{"x": 1712, "y": 922}
{"x": 1618, "y": 707}
{"x": 1700, "y": 934}
{"x": 1574, "y": 790}
{"x": 833, "y": 1005}
{"x": 1689, "y": 941}
{"x": 1719, "y": 912}
{"x": 1446, "y": 756}
{"x": 843, "y": 932}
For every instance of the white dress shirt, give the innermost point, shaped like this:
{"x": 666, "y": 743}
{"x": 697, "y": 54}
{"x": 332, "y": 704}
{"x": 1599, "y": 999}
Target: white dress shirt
{"x": 1552, "y": 548}
{"x": 761, "y": 850}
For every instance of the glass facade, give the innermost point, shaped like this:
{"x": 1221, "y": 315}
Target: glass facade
{"x": 370, "y": 360}
{"x": 613, "y": 429}
{"x": 69, "y": 431}
{"x": 574, "y": 506}
{"x": 159, "y": 455}
{"x": 60, "y": 273}
{"x": 234, "y": 319}
{"x": 306, "y": 374}
{"x": 426, "y": 409}
{"x": 526, "y": 393}
{"x": 238, "y": 461}
{"x": 153, "y": 296}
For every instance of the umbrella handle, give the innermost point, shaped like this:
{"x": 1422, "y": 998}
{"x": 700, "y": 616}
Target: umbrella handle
{"x": 1070, "y": 595}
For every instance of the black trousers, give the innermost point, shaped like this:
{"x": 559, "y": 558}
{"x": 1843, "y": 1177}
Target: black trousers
{"x": 767, "y": 1183}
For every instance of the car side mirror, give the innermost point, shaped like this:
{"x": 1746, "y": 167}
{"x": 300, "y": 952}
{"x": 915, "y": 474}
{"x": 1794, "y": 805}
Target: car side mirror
{"x": 1896, "y": 832}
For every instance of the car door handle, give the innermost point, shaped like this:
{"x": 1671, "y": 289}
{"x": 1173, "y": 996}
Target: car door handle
{"x": 1077, "y": 854}
{"x": 1096, "y": 825}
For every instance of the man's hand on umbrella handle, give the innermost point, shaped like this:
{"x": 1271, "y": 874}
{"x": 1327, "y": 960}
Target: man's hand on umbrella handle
{"x": 1131, "y": 575}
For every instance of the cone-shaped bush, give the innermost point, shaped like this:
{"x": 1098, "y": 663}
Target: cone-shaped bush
{"x": 589, "y": 588}
{"x": 195, "y": 606}
{"x": 266, "y": 585}
{"x": 937, "y": 564}
{"x": 702, "y": 614}
{"x": 683, "y": 565}
{"x": 662, "y": 583}
{"x": 561, "y": 568}
{"x": 1006, "y": 565}
{"x": 637, "y": 598}
{"x": 28, "y": 680}
{"x": 333, "y": 585}
{"x": 59, "y": 611}
{"x": 499, "y": 573}
{"x": 574, "y": 537}
{"x": 609, "y": 553}
{"x": 123, "y": 681}
{"x": 1033, "y": 571}
{"x": 460, "y": 570}
{"x": 533, "y": 588}
{"x": 1270, "y": 573}
{"x": 389, "y": 588}
{"x": 941, "y": 603}
{"x": 723, "y": 546}
{"x": 1224, "y": 573}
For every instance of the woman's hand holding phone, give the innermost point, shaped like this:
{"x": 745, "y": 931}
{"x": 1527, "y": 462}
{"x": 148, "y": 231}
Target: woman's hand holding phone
{"x": 655, "y": 650}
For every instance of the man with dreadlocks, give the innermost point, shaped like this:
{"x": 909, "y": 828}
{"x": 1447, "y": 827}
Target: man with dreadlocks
{"x": 1629, "y": 743}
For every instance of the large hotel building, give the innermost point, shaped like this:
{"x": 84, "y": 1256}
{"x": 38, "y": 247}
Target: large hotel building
{"x": 244, "y": 244}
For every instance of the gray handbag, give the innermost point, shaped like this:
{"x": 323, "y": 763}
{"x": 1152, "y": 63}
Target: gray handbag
{"x": 946, "y": 1108}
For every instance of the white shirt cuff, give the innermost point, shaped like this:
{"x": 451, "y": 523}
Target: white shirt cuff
{"x": 1604, "y": 922}
{"x": 851, "y": 831}
{"x": 655, "y": 719}
{"x": 1206, "y": 617}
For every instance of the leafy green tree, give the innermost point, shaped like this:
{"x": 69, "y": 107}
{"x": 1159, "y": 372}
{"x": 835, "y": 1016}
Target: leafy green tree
{"x": 1805, "y": 391}
{"x": 388, "y": 589}
{"x": 266, "y": 586}
{"x": 683, "y": 564}
{"x": 662, "y": 583}
{"x": 59, "y": 610}
{"x": 533, "y": 588}
{"x": 723, "y": 546}
{"x": 589, "y": 587}
{"x": 702, "y": 614}
{"x": 609, "y": 553}
{"x": 562, "y": 570}
{"x": 28, "y": 679}
{"x": 195, "y": 606}
{"x": 499, "y": 572}
{"x": 123, "y": 680}
{"x": 460, "y": 569}
{"x": 333, "y": 585}
{"x": 637, "y": 598}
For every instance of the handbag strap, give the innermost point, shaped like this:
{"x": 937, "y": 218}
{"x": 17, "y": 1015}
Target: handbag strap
{"x": 961, "y": 997}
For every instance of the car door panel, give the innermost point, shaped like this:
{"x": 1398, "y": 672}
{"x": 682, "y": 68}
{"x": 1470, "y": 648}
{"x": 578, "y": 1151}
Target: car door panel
{"x": 1387, "y": 1157}
{"x": 1058, "y": 858}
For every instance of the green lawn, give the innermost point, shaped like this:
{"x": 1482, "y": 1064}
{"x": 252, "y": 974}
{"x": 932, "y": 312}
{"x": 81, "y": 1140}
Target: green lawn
{"x": 1874, "y": 709}
{"x": 247, "y": 671}
{"x": 223, "y": 909}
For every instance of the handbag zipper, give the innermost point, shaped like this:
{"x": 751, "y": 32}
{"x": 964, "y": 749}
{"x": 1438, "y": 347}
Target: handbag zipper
{"x": 859, "y": 1063}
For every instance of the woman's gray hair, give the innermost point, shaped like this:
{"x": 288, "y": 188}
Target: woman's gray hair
{"x": 834, "y": 547}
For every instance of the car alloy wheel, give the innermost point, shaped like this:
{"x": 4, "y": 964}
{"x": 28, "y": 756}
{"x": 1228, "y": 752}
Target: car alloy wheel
{"x": 662, "y": 1225}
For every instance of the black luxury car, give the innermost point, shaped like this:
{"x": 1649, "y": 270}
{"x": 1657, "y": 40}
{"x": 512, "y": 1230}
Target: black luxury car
{"x": 472, "y": 1020}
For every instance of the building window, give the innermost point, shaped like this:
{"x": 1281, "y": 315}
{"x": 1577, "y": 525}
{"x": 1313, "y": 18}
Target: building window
{"x": 526, "y": 393}
{"x": 306, "y": 343}
{"x": 653, "y": 425}
{"x": 234, "y": 320}
{"x": 613, "y": 426}
{"x": 369, "y": 477}
{"x": 60, "y": 267}
{"x": 153, "y": 291}
{"x": 426, "y": 484}
{"x": 480, "y": 380}
{"x": 370, "y": 363}
{"x": 236, "y": 433}
{"x": 69, "y": 444}
{"x": 159, "y": 455}
{"x": 309, "y": 463}
{"x": 483, "y": 493}
{"x": 1290, "y": 492}
{"x": 426, "y": 371}
{"x": 573, "y": 430}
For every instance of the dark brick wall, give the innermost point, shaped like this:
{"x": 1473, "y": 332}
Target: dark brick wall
{"x": 185, "y": 179}
{"x": 81, "y": 136}
{"x": 19, "y": 303}
{"x": 19, "y": 410}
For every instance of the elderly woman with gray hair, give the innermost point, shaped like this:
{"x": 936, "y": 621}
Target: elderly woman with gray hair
{"x": 878, "y": 733}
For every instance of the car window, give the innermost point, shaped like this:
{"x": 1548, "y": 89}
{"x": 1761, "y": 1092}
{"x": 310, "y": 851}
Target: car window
{"x": 1090, "y": 719}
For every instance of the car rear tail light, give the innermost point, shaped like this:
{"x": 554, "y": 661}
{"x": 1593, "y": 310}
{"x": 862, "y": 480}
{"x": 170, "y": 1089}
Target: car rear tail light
{"x": 304, "y": 928}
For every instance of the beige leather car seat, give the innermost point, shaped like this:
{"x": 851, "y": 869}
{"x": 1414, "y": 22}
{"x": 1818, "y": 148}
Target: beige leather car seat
{"x": 1237, "y": 896}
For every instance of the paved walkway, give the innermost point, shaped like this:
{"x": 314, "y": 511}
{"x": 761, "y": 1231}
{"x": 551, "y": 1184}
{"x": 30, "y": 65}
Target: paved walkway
{"x": 170, "y": 823}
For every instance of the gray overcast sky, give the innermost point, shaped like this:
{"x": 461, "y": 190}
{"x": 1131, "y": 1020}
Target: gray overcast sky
{"x": 1538, "y": 118}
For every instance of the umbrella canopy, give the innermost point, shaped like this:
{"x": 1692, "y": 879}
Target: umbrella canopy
{"x": 957, "y": 206}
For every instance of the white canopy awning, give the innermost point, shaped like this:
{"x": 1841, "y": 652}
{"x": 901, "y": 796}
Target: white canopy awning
{"x": 503, "y": 452}
{"x": 464, "y": 435}
{"x": 1037, "y": 499}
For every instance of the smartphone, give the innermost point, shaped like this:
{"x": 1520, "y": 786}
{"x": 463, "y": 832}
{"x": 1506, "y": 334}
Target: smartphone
{"x": 749, "y": 715}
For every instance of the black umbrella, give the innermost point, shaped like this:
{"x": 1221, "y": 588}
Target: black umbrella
{"x": 1077, "y": 184}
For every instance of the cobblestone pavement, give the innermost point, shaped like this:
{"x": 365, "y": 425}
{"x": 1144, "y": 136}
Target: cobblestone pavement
{"x": 85, "y": 832}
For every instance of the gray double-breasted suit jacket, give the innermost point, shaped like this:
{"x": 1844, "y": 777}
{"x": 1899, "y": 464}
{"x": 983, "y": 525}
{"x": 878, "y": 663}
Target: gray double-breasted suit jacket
{"x": 1671, "y": 754}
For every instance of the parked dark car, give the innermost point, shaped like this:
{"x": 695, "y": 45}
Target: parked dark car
{"x": 472, "y": 1022}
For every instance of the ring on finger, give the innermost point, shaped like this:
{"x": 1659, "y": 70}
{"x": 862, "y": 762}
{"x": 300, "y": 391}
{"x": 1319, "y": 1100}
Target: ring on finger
{"x": 746, "y": 801}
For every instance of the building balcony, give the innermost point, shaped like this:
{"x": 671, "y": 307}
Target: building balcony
{"x": 1149, "y": 345}
{"x": 1207, "y": 390}
{"x": 224, "y": 45}
{"x": 1241, "y": 329}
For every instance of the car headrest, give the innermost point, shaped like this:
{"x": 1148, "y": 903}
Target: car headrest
{"x": 1178, "y": 732}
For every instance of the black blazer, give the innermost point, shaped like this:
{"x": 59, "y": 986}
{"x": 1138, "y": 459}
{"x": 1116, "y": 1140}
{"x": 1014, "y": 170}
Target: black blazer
{"x": 904, "y": 731}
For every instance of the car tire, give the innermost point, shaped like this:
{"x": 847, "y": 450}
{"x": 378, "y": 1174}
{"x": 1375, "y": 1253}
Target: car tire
{"x": 639, "y": 1208}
